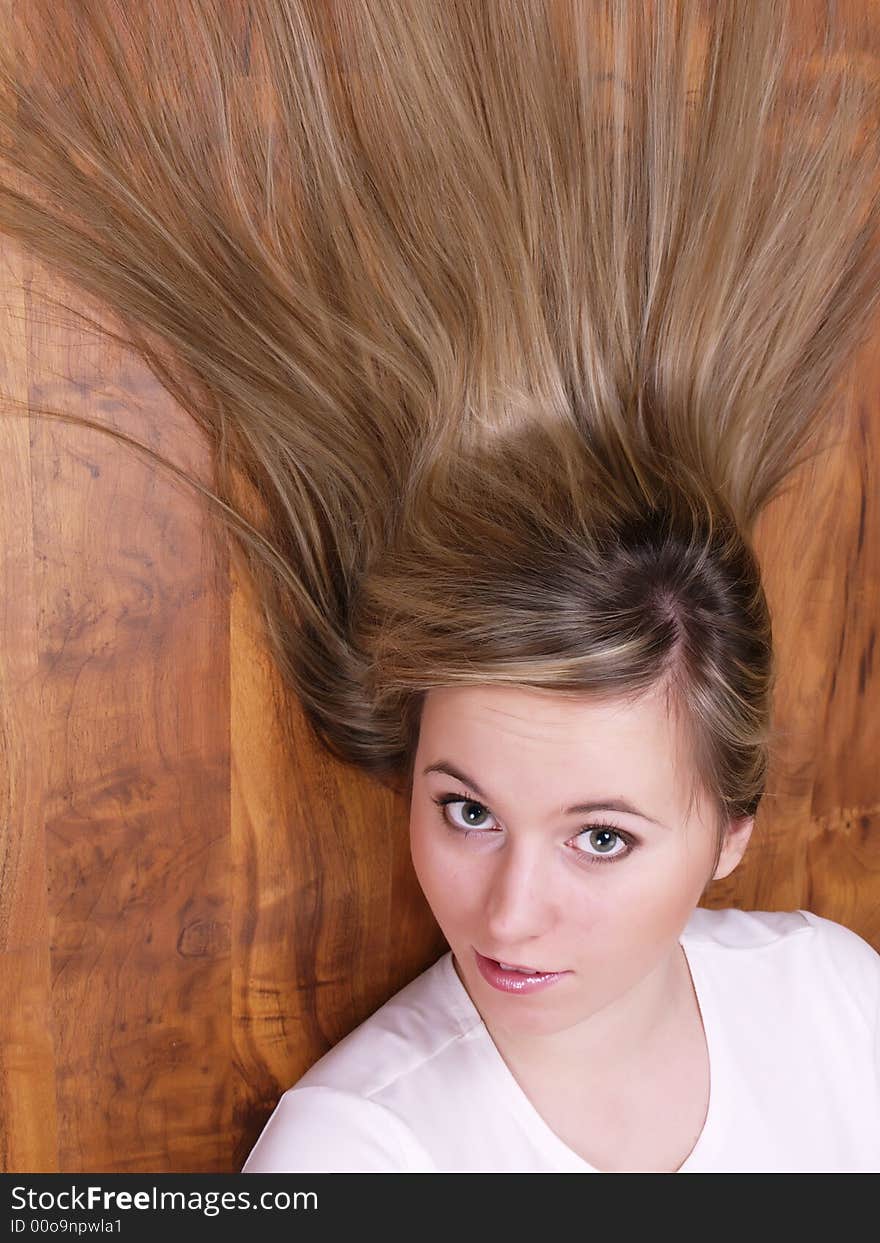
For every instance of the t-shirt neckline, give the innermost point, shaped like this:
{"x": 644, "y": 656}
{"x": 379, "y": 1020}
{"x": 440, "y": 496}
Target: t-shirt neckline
{"x": 515, "y": 1097}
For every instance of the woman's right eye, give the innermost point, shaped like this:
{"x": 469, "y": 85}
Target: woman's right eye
{"x": 469, "y": 806}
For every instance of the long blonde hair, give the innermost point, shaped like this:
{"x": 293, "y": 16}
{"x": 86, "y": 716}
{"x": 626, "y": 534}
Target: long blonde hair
{"x": 504, "y": 320}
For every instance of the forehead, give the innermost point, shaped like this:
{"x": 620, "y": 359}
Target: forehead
{"x": 545, "y": 718}
{"x": 522, "y": 739}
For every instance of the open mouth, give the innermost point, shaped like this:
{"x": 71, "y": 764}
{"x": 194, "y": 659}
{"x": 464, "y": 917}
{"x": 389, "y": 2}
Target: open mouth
{"x": 514, "y": 980}
{"x": 513, "y": 966}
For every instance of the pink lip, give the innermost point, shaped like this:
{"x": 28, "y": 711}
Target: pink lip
{"x": 513, "y": 981}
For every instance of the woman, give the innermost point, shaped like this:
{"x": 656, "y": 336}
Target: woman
{"x": 665, "y": 1038}
{"x": 512, "y": 317}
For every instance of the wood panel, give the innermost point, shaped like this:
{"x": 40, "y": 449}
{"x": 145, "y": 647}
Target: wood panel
{"x": 816, "y": 842}
{"x": 195, "y": 902}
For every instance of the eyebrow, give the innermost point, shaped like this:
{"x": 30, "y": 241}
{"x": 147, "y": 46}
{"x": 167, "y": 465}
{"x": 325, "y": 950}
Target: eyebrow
{"x": 602, "y": 804}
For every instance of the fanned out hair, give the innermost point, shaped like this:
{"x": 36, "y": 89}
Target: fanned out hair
{"x": 504, "y": 320}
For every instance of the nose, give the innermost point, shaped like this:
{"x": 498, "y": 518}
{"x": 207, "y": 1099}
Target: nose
{"x": 518, "y": 902}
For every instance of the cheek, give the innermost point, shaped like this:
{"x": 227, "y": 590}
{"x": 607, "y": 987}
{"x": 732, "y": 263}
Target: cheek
{"x": 434, "y": 861}
{"x": 654, "y": 897}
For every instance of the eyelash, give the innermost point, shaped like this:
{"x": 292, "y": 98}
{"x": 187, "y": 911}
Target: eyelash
{"x": 588, "y": 860}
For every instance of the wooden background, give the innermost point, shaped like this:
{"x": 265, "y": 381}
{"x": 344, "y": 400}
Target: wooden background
{"x": 195, "y": 902}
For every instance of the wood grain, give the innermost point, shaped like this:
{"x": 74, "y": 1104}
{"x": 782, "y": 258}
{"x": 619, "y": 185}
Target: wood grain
{"x": 195, "y": 902}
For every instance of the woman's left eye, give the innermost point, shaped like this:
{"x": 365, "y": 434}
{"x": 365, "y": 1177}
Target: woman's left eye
{"x": 603, "y": 833}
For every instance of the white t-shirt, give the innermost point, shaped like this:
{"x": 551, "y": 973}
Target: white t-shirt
{"x": 790, "y": 1003}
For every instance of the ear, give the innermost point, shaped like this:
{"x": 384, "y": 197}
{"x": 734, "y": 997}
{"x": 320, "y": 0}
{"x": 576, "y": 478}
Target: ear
{"x": 735, "y": 841}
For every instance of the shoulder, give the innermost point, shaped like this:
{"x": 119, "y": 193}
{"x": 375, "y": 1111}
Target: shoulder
{"x": 737, "y": 929}
{"x": 849, "y": 954}
{"x": 355, "y": 1109}
{"x": 322, "y": 1130}
{"x": 745, "y": 930}
{"x": 807, "y": 950}
{"x": 406, "y": 1038}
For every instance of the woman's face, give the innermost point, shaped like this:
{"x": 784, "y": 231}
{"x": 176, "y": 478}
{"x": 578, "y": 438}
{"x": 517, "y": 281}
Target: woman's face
{"x": 602, "y": 894}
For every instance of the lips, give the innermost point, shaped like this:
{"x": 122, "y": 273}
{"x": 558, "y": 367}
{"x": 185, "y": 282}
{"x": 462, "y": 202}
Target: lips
{"x": 520, "y": 966}
{"x": 515, "y": 983}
